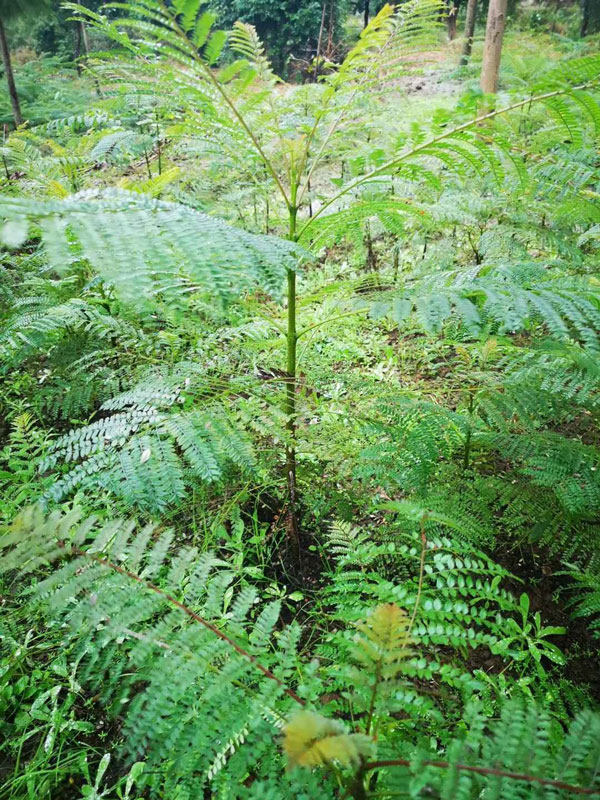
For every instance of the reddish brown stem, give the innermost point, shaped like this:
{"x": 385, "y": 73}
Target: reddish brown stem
{"x": 516, "y": 776}
{"x": 192, "y": 614}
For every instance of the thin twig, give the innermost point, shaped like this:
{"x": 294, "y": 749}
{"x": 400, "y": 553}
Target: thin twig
{"x": 515, "y": 776}
{"x": 192, "y": 614}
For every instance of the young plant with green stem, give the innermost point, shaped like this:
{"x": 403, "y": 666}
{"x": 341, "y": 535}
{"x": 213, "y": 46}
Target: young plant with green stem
{"x": 241, "y": 109}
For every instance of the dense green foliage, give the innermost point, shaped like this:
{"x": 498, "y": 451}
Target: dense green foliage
{"x": 299, "y": 456}
{"x": 288, "y": 28}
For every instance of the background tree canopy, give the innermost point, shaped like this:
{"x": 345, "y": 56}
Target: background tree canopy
{"x": 288, "y": 27}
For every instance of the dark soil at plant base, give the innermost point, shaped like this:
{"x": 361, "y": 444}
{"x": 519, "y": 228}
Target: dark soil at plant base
{"x": 536, "y": 573}
{"x": 546, "y": 587}
{"x": 295, "y": 564}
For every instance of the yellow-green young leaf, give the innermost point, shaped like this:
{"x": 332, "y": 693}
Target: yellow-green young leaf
{"x": 384, "y": 640}
{"x": 314, "y": 741}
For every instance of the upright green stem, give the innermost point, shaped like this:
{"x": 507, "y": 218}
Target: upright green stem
{"x": 158, "y": 142}
{"x": 290, "y": 399}
{"x": 373, "y": 697}
{"x": 467, "y": 450}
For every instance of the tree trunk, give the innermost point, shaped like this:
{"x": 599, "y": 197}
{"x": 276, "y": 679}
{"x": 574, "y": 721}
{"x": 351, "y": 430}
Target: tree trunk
{"x": 585, "y": 17}
{"x": 494, "y": 33}
{"x": 452, "y": 19}
{"x": 330, "y": 30}
{"x": 10, "y": 78}
{"x": 290, "y": 408}
{"x": 77, "y": 48}
{"x": 469, "y": 32}
{"x": 318, "y": 59}
{"x": 85, "y": 40}
{"x": 367, "y": 11}
{"x": 86, "y": 50}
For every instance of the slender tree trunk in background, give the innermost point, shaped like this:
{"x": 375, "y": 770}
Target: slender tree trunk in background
{"x": 84, "y": 39}
{"x": 77, "y": 47}
{"x": 469, "y": 32}
{"x": 330, "y": 29}
{"x": 319, "y": 42}
{"x": 10, "y": 78}
{"x": 585, "y": 17}
{"x": 452, "y": 19}
{"x": 86, "y": 50}
{"x": 367, "y": 11}
{"x": 494, "y": 34}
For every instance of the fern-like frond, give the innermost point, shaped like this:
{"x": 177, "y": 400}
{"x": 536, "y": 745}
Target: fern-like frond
{"x": 584, "y": 598}
{"x": 384, "y": 641}
{"x": 524, "y": 754}
{"x": 461, "y": 600}
{"x": 475, "y": 146}
{"x": 507, "y": 299}
{"x": 138, "y": 641}
{"x": 410, "y": 439}
{"x": 343, "y": 539}
{"x": 566, "y": 466}
{"x": 147, "y": 457}
{"x": 114, "y": 146}
{"x": 386, "y": 44}
{"x": 144, "y": 246}
{"x": 43, "y": 322}
{"x": 244, "y": 40}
